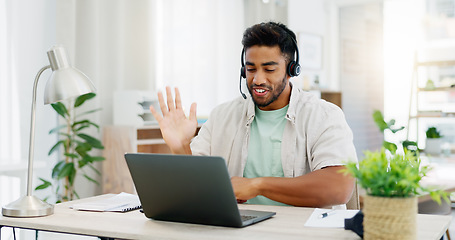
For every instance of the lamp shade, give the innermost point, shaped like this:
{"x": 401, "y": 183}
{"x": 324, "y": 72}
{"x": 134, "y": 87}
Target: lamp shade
{"x": 65, "y": 82}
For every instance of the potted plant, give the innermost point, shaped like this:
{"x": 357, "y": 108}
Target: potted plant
{"x": 392, "y": 182}
{"x": 76, "y": 145}
{"x": 433, "y": 141}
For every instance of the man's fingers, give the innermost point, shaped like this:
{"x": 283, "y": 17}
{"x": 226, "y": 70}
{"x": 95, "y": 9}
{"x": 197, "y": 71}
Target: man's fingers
{"x": 170, "y": 101}
{"x": 193, "y": 112}
{"x": 178, "y": 100}
{"x": 163, "y": 107}
{"x": 155, "y": 114}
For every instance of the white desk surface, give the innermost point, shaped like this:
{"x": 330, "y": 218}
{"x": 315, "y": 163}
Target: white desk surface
{"x": 287, "y": 224}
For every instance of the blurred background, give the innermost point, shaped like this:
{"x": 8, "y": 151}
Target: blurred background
{"x": 370, "y": 53}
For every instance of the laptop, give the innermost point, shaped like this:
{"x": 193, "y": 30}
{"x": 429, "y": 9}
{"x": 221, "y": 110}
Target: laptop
{"x": 188, "y": 189}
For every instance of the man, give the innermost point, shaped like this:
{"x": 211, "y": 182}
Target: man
{"x": 281, "y": 144}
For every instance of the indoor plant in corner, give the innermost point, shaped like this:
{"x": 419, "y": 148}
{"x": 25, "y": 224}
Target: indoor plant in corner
{"x": 76, "y": 146}
{"x": 433, "y": 141}
{"x": 392, "y": 183}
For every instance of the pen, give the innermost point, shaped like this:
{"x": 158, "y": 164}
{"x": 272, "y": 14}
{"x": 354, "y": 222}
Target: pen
{"x": 326, "y": 214}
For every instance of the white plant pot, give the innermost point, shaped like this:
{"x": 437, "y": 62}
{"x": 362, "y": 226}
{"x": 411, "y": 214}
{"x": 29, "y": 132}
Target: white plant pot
{"x": 433, "y": 146}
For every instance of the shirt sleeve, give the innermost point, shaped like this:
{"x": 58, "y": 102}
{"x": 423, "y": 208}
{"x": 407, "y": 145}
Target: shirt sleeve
{"x": 200, "y": 144}
{"x": 332, "y": 142}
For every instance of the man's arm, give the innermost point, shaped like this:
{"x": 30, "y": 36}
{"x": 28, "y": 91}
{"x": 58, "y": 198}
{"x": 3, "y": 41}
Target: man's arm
{"x": 320, "y": 188}
{"x": 176, "y": 128}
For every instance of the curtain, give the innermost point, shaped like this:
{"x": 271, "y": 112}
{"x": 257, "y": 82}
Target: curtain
{"x": 27, "y": 31}
{"x": 198, "y": 50}
{"x": 9, "y": 105}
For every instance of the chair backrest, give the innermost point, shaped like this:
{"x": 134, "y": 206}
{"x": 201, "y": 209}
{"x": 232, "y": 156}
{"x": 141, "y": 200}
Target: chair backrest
{"x": 354, "y": 202}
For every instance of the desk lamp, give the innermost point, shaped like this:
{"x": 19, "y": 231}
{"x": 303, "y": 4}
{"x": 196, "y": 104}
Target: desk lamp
{"x": 65, "y": 82}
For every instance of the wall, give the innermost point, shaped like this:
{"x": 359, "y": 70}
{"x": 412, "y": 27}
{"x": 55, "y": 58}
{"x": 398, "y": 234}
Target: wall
{"x": 362, "y": 88}
{"x": 361, "y": 71}
{"x": 311, "y": 17}
{"x": 257, "y": 11}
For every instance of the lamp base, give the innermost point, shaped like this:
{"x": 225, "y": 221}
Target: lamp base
{"x": 28, "y": 206}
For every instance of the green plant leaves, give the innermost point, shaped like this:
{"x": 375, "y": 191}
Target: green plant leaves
{"x": 379, "y": 120}
{"x": 57, "y": 169}
{"x": 55, "y": 147}
{"x": 88, "y": 112}
{"x": 392, "y": 147}
{"x": 410, "y": 146}
{"x": 81, "y": 99}
{"x": 77, "y": 126}
{"x": 91, "y": 179}
{"x": 432, "y": 132}
{"x": 383, "y": 125}
{"x": 60, "y": 109}
{"x": 56, "y": 129}
{"x": 95, "y": 143}
{"x": 44, "y": 185}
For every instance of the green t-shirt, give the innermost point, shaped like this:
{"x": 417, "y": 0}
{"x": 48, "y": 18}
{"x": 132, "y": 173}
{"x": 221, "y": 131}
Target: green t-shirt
{"x": 264, "y": 149}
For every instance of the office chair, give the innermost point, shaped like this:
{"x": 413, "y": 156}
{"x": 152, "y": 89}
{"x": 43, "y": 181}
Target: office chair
{"x": 354, "y": 202}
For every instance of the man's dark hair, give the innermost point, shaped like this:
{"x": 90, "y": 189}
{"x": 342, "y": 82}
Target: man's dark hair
{"x": 271, "y": 34}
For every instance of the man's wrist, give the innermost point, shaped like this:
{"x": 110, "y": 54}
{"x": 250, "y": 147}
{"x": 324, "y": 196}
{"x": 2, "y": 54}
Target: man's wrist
{"x": 258, "y": 184}
{"x": 183, "y": 150}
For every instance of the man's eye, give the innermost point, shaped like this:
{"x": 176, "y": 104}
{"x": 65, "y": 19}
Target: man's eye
{"x": 270, "y": 70}
{"x": 250, "y": 69}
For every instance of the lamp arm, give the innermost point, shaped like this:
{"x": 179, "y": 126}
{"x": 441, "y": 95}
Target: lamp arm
{"x": 32, "y": 133}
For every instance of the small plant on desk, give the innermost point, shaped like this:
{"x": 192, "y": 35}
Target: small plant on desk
{"x": 392, "y": 182}
{"x": 77, "y": 147}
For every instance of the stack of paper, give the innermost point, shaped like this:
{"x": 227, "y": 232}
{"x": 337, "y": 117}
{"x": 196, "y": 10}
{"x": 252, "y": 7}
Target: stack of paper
{"x": 335, "y": 219}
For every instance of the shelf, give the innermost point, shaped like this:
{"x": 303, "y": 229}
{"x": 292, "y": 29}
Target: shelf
{"x": 435, "y": 63}
{"x": 150, "y": 141}
{"x": 438, "y": 89}
{"x": 433, "y": 114}
{"x": 415, "y": 105}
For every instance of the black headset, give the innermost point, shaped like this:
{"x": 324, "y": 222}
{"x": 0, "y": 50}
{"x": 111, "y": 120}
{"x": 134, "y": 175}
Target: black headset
{"x": 293, "y": 69}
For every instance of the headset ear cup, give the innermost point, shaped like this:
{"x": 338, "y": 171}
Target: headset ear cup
{"x": 242, "y": 72}
{"x": 293, "y": 69}
{"x": 296, "y": 70}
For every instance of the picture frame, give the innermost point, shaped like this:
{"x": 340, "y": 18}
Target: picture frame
{"x": 310, "y": 51}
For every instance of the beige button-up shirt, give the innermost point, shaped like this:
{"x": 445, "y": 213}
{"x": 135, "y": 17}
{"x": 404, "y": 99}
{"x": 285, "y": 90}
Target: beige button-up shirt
{"x": 316, "y": 135}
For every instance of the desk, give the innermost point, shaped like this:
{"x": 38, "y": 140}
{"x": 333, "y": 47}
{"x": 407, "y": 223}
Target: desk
{"x": 287, "y": 224}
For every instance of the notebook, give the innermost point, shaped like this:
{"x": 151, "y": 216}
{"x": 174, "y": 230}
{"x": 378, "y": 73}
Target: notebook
{"x": 189, "y": 189}
{"x": 122, "y": 202}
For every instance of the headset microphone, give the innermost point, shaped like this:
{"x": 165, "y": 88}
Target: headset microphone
{"x": 240, "y": 87}
{"x": 242, "y": 73}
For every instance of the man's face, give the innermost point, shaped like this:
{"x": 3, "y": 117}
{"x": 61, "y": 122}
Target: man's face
{"x": 266, "y": 77}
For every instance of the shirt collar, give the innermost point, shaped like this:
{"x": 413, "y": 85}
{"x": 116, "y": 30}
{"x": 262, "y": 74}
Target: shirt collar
{"x": 290, "y": 115}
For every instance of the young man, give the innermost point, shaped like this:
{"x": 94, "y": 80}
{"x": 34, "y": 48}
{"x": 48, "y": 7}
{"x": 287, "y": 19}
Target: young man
{"x": 281, "y": 144}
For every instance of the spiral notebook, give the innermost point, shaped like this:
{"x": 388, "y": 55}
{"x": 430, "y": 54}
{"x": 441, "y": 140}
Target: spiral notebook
{"x": 122, "y": 202}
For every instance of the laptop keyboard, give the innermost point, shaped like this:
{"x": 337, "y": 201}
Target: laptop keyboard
{"x": 246, "y": 217}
